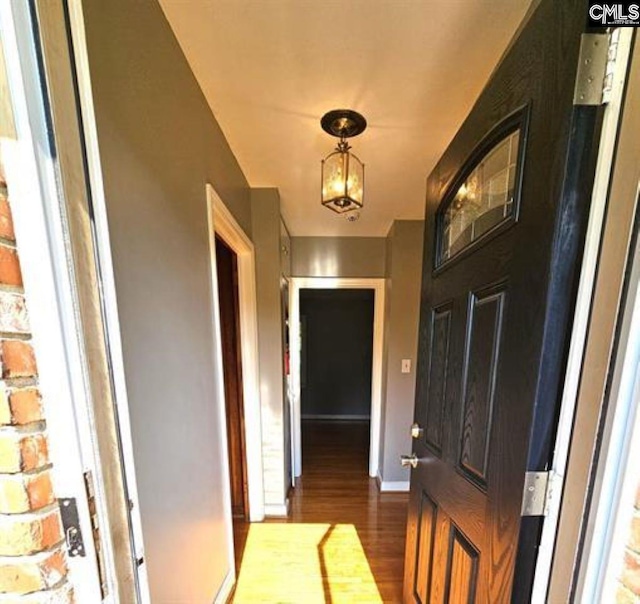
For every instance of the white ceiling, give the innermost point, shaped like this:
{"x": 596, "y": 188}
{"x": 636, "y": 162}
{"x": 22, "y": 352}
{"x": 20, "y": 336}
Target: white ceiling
{"x": 271, "y": 68}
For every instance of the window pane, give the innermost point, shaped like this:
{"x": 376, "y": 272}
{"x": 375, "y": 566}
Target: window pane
{"x": 484, "y": 200}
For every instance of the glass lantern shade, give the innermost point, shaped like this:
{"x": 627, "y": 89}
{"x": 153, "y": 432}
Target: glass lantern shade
{"x": 342, "y": 181}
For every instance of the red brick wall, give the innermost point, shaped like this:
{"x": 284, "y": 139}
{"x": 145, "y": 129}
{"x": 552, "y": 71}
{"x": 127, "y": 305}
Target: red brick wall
{"x": 629, "y": 591}
{"x": 33, "y": 563}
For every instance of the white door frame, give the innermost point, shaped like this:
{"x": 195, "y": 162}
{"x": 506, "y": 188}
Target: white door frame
{"x": 590, "y": 485}
{"x": 616, "y": 475}
{"x": 41, "y": 233}
{"x": 223, "y": 223}
{"x": 104, "y": 258}
{"x": 378, "y": 285}
{"x": 56, "y": 282}
{"x": 559, "y": 538}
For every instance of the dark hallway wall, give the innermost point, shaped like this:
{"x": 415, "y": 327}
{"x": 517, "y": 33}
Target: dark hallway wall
{"x": 337, "y": 351}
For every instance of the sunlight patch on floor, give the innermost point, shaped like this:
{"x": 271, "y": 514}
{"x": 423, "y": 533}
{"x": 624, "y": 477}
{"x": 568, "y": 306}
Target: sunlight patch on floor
{"x": 310, "y": 563}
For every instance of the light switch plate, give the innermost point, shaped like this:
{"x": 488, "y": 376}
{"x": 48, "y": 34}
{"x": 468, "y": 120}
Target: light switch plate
{"x": 406, "y": 366}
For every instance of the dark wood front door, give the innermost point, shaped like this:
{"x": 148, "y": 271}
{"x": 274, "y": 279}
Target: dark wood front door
{"x": 506, "y": 214}
{"x": 227, "y": 267}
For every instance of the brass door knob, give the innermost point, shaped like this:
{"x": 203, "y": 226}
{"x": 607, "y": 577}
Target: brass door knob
{"x": 416, "y": 430}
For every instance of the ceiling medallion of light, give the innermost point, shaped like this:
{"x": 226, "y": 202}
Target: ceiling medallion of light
{"x": 342, "y": 171}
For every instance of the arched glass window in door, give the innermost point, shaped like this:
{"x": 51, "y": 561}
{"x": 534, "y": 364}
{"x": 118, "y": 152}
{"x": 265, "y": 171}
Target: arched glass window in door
{"x": 485, "y": 194}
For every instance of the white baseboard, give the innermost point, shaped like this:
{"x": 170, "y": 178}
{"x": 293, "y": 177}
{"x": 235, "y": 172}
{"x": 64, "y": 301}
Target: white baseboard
{"x": 277, "y": 510}
{"x": 393, "y": 486}
{"x": 226, "y": 588}
{"x": 361, "y": 418}
{"x": 398, "y": 486}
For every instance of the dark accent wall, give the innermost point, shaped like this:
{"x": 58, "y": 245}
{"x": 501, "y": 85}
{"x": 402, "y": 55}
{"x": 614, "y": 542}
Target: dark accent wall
{"x": 337, "y": 351}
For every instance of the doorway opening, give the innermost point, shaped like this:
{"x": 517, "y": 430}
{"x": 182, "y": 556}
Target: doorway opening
{"x": 335, "y": 368}
{"x": 336, "y": 328}
{"x": 228, "y": 296}
{"x": 235, "y": 298}
{"x": 235, "y": 324}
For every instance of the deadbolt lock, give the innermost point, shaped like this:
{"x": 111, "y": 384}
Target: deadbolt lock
{"x": 416, "y": 430}
{"x": 409, "y": 460}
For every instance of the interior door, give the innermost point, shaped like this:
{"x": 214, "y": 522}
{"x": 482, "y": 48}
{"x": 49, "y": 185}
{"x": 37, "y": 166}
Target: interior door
{"x": 228, "y": 299}
{"x": 506, "y": 214}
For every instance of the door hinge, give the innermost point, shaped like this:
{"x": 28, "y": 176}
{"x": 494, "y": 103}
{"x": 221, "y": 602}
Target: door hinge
{"x": 537, "y": 493}
{"x": 71, "y": 527}
{"x": 596, "y": 65}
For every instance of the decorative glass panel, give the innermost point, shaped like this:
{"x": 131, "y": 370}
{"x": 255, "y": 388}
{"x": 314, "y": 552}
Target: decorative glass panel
{"x": 483, "y": 201}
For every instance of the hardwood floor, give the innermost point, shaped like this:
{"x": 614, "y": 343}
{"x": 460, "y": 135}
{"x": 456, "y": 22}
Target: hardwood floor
{"x": 347, "y": 544}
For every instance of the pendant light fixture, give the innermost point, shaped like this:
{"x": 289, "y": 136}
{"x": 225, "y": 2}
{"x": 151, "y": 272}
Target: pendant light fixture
{"x": 342, "y": 171}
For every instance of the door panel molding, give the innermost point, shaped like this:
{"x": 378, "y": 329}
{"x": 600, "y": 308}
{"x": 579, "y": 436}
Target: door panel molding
{"x": 425, "y": 542}
{"x": 437, "y": 381}
{"x": 453, "y": 490}
{"x": 479, "y": 382}
{"x": 462, "y": 568}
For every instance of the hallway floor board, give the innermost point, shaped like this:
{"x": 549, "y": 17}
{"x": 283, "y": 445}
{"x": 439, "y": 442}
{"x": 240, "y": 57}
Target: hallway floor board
{"x": 343, "y": 540}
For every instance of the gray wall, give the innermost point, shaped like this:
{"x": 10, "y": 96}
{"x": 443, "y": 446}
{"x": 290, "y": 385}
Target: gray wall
{"x": 159, "y": 145}
{"x": 404, "y": 270}
{"x": 338, "y": 256}
{"x": 265, "y": 212}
